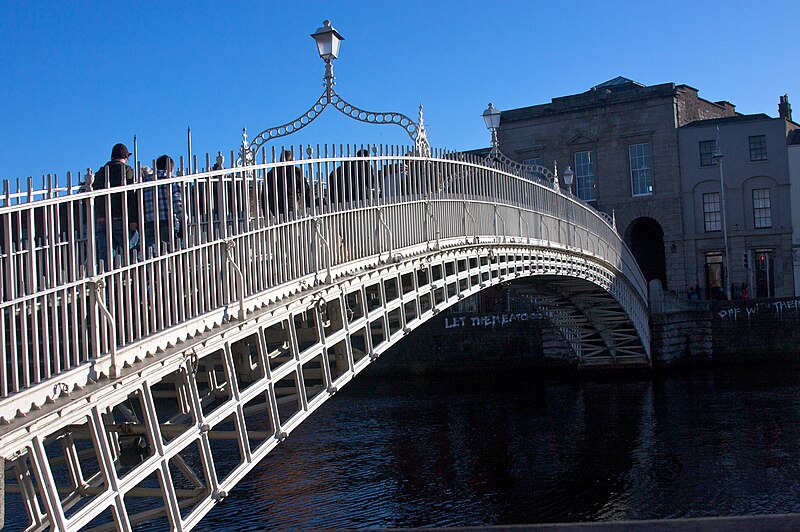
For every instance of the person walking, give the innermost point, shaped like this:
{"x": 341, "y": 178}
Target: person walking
{"x": 287, "y": 189}
{"x": 115, "y": 173}
{"x": 162, "y": 207}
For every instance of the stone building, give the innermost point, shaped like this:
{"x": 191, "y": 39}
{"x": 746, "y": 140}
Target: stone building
{"x": 757, "y": 208}
{"x": 793, "y": 142}
{"x": 622, "y": 139}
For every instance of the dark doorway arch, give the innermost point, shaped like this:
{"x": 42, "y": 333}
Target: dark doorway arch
{"x": 645, "y": 237}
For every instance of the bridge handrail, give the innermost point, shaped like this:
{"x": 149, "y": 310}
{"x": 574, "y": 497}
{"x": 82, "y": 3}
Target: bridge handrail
{"x": 54, "y": 293}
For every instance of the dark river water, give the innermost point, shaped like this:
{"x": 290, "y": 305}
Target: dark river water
{"x": 513, "y": 449}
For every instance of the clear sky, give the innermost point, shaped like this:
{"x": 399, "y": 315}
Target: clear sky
{"x": 80, "y": 76}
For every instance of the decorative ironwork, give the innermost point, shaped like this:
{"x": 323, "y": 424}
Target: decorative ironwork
{"x": 536, "y": 170}
{"x": 416, "y": 131}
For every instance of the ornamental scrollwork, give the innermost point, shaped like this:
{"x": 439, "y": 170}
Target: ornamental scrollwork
{"x": 415, "y": 131}
{"x": 526, "y": 170}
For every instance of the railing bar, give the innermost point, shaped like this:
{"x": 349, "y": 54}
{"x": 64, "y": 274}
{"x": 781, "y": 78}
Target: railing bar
{"x": 153, "y": 291}
{"x": 5, "y": 351}
{"x": 25, "y": 350}
{"x": 136, "y": 303}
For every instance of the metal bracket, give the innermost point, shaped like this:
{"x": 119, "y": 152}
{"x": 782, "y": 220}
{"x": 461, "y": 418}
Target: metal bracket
{"x": 97, "y": 286}
{"x": 474, "y": 227}
{"x": 527, "y": 227}
{"x": 496, "y": 216}
{"x": 383, "y": 223}
{"x": 318, "y": 230}
{"x": 430, "y": 215}
{"x": 230, "y": 245}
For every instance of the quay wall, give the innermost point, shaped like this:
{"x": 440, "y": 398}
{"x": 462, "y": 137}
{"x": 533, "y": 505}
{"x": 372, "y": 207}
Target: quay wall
{"x": 683, "y": 333}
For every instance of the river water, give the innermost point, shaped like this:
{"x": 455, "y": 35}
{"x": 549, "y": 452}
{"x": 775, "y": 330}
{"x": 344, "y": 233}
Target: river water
{"x": 504, "y": 449}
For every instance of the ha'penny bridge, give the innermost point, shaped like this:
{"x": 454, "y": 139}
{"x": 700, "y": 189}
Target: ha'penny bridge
{"x": 143, "y": 390}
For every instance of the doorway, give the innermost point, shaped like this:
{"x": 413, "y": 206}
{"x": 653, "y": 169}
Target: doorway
{"x": 646, "y": 239}
{"x": 765, "y": 277}
{"x": 715, "y": 279}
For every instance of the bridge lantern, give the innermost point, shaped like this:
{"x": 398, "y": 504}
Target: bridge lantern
{"x": 491, "y": 116}
{"x": 328, "y": 41}
{"x": 568, "y": 176}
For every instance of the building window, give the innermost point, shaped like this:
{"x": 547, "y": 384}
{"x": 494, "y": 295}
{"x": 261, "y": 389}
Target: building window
{"x": 584, "y": 175}
{"x": 758, "y": 148}
{"x": 536, "y": 161}
{"x": 707, "y": 148}
{"x": 762, "y": 211}
{"x": 711, "y": 212}
{"x": 641, "y": 176}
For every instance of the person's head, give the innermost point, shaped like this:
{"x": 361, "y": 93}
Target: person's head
{"x": 287, "y": 155}
{"x": 120, "y": 152}
{"x": 165, "y": 164}
{"x": 362, "y": 153}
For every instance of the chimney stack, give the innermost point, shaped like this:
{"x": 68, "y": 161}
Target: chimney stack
{"x": 784, "y": 109}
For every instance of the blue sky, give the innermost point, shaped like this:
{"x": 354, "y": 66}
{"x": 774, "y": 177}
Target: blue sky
{"x": 81, "y": 76}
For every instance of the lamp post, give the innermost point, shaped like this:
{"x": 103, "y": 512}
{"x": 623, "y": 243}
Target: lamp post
{"x": 491, "y": 117}
{"x": 328, "y": 41}
{"x": 717, "y": 156}
{"x": 569, "y": 175}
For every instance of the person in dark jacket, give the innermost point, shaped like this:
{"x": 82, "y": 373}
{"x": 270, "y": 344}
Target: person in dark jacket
{"x": 287, "y": 189}
{"x": 353, "y": 181}
{"x": 115, "y": 173}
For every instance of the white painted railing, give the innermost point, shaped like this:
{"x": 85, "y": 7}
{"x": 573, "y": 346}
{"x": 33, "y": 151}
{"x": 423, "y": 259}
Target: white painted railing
{"x": 61, "y": 307}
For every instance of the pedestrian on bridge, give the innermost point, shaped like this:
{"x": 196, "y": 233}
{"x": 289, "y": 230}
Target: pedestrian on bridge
{"x": 354, "y": 181}
{"x": 164, "y": 205}
{"x": 114, "y": 173}
{"x": 287, "y": 189}
{"x": 394, "y": 179}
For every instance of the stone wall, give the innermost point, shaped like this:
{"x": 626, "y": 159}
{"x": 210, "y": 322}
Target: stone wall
{"x": 682, "y": 337}
{"x": 752, "y": 331}
{"x": 490, "y": 341}
{"x": 680, "y": 330}
{"x": 683, "y": 333}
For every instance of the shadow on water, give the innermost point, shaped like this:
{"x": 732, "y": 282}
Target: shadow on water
{"x": 493, "y": 449}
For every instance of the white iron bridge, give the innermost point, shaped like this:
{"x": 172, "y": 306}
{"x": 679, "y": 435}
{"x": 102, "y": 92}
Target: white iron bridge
{"x": 142, "y": 390}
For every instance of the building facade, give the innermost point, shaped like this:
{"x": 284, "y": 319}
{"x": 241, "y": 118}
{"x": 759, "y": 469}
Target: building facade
{"x": 634, "y": 150}
{"x": 793, "y": 148}
{"x": 757, "y": 208}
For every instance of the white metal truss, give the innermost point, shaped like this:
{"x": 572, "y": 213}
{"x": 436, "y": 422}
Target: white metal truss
{"x": 160, "y": 381}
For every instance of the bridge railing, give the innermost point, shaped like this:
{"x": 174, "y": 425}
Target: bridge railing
{"x": 78, "y": 284}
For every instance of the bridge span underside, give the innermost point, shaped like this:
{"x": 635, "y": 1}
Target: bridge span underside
{"x": 165, "y": 426}
{"x": 189, "y": 424}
